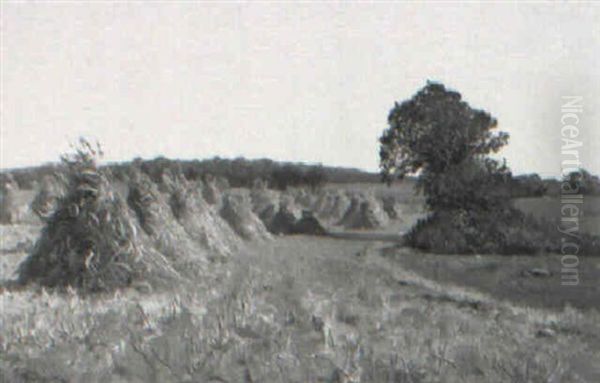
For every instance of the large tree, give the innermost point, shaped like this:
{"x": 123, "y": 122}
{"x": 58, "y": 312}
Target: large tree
{"x": 447, "y": 143}
{"x": 440, "y": 137}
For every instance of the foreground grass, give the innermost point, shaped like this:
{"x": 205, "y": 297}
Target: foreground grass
{"x": 296, "y": 309}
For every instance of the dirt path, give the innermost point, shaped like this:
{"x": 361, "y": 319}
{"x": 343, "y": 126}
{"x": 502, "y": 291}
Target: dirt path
{"x": 505, "y": 278}
{"x": 367, "y": 236}
{"x": 526, "y": 281}
{"x": 342, "y": 267}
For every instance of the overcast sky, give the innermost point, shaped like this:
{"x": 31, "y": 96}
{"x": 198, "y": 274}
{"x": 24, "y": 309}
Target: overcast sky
{"x": 311, "y": 82}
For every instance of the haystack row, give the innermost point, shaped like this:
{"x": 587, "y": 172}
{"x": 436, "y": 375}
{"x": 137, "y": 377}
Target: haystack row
{"x": 99, "y": 237}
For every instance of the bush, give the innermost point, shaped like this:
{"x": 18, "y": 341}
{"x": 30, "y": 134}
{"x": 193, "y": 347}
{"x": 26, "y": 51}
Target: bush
{"x": 507, "y": 232}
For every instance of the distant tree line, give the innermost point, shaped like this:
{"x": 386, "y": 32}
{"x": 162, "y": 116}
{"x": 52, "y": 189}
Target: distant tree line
{"x": 241, "y": 172}
{"x": 527, "y": 185}
{"x": 532, "y": 185}
{"x": 27, "y": 178}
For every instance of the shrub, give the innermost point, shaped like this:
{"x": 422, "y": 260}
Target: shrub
{"x": 462, "y": 231}
{"x": 508, "y": 231}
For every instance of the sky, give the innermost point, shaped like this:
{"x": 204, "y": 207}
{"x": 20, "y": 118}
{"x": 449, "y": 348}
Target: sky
{"x": 307, "y": 82}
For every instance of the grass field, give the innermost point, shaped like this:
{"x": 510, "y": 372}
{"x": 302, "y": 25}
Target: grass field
{"x": 550, "y": 208}
{"x": 545, "y": 207}
{"x": 310, "y": 309}
{"x": 302, "y": 309}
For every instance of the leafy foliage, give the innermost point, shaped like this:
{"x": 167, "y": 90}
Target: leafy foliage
{"x": 441, "y": 137}
{"x": 475, "y": 231}
{"x": 582, "y": 182}
{"x": 445, "y": 141}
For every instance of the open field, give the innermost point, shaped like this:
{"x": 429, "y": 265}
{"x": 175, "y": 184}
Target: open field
{"x": 545, "y": 207}
{"x": 356, "y": 308}
{"x": 306, "y": 309}
{"x": 329, "y": 192}
{"x": 549, "y": 208}
{"x": 510, "y": 278}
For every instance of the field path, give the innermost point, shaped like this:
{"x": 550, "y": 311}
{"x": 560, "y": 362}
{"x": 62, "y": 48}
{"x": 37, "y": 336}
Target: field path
{"x": 337, "y": 268}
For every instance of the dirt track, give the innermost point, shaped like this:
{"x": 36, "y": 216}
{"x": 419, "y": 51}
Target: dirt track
{"x": 367, "y": 236}
{"x": 503, "y": 277}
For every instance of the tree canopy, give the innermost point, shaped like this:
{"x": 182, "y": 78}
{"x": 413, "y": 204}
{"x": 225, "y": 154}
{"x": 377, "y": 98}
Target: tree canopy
{"x": 439, "y": 136}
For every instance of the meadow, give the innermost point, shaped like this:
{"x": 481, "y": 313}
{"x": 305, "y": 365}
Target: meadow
{"x": 311, "y": 309}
